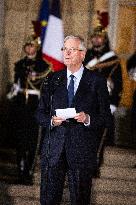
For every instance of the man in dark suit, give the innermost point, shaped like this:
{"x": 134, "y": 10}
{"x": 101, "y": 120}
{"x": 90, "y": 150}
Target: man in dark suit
{"x": 70, "y": 143}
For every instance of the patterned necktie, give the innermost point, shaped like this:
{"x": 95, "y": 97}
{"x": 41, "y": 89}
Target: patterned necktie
{"x": 71, "y": 90}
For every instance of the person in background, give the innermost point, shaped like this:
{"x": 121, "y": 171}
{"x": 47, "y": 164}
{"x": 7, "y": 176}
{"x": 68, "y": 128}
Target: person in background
{"x": 101, "y": 59}
{"x": 70, "y": 143}
{"x": 28, "y": 76}
{"x": 131, "y": 69}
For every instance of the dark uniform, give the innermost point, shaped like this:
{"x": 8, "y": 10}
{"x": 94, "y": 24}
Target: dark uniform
{"x": 109, "y": 68}
{"x": 102, "y": 59}
{"x": 29, "y": 74}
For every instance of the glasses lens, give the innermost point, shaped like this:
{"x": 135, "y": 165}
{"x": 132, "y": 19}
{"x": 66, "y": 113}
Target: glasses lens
{"x": 70, "y": 49}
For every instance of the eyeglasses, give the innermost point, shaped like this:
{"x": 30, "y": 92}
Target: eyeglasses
{"x": 72, "y": 50}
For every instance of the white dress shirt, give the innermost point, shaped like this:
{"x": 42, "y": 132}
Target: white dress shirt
{"x": 77, "y": 77}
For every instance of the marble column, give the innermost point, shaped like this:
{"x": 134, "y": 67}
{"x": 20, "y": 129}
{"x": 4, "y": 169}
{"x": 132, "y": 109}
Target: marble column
{"x": 77, "y": 17}
{"x": 18, "y": 24}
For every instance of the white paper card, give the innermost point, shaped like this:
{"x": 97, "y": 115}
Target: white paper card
{"x": 66, "y": 113}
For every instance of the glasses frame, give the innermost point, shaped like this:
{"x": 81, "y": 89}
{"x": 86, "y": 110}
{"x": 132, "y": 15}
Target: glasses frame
{"x": 72, "y": 50}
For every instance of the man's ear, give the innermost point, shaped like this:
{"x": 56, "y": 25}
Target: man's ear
{"x": 83, "y": 54}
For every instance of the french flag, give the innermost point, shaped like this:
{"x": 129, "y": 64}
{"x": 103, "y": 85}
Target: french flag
{"x": 53, "y": 41}
{"x": 43, "y": 18}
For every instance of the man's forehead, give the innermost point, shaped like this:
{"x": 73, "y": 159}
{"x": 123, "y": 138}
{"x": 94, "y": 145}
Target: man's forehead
{"x": 72, "y": 41}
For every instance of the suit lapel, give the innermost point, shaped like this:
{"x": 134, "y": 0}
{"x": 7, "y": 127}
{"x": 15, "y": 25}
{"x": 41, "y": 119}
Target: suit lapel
{"x": 81, "y": 86}
{"x": 80, "y": 91}
{"x": 62, "y": 91}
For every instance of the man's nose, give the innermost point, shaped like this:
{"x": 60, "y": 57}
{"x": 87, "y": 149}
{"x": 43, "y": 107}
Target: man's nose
{"x": 68, "y": 51}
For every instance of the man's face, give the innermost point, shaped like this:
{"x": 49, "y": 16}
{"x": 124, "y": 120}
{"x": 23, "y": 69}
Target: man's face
{"x": 73, "y": 56}
{"x": 30, "y": 50}
{"x": 98, "y": 41}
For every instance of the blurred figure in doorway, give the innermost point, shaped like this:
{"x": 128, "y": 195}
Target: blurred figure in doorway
{"x": 28, "y": 76}
{"x": 102, "y": 59}
{"x": 131, "y": 68}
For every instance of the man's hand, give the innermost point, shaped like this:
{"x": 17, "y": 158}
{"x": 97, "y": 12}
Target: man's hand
{"x": 56, "y": 121}
{"x": 113, "y": 108}
{"x": 82, "y": 117}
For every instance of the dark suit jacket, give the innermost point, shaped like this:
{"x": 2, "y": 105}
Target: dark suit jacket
{"x": 79, "y": 141}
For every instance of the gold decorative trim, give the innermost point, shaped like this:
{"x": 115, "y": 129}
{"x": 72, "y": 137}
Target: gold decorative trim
{"x": 39, "y": 77}
{"x": 105, "y": 65}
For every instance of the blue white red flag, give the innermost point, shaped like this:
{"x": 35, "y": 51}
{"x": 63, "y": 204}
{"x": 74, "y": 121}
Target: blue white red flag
{"x": 54, "y": 36}
{"x": 43, "y": 18}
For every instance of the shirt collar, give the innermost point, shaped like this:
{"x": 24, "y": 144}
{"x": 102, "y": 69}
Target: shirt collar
{"x": 77, "y": 74}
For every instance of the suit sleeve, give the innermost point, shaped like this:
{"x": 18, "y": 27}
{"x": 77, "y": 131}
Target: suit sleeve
{"x": 102, "y": 117}
{"x": 43, "y": 110}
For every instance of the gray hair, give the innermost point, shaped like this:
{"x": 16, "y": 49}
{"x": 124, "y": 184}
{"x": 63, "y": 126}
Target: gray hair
{"x": 82, "y": 42}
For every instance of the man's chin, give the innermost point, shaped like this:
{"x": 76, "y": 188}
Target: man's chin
{"x": 67, "y": 62}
